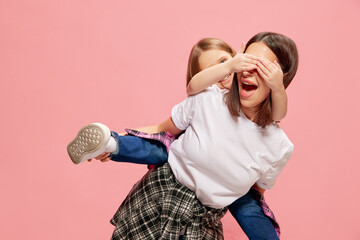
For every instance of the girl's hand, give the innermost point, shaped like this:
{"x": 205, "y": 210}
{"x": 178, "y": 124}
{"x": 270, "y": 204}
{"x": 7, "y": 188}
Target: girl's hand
{"x": 271, "y": 73}
{"x": 243, "y": 62}
{"x": 102, "y": 157}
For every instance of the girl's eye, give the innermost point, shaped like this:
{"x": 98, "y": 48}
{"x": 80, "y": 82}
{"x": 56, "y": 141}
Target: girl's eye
{"x": 223, "y": 60}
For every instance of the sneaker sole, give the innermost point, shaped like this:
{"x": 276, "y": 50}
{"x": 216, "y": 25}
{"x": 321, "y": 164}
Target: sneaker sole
{"x": 90, "y": 142}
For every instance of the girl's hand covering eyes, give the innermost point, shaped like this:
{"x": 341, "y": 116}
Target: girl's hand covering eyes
{"x": 243, "y": 62}
{"x": 271, "y": 73}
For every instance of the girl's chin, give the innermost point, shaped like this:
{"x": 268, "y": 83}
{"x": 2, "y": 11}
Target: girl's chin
{"x": 226, "y": 83}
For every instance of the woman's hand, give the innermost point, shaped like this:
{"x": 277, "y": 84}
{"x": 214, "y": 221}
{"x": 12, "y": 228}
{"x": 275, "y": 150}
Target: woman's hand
{"x": 243, "y": 62}
{"x": 102, "y": 157}
{"x": 271, "y": 73}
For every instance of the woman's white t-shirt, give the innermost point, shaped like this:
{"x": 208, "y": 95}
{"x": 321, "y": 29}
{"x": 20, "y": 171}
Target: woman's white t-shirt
{"x": 219, "y": 156}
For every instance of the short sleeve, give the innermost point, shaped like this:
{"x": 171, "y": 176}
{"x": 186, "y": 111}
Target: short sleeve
{"x": 182, "y": 113}
{"x": 268, "y": 177}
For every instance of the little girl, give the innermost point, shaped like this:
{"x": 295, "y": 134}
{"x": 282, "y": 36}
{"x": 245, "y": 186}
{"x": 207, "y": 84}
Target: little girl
{"x": 206, "y": 53}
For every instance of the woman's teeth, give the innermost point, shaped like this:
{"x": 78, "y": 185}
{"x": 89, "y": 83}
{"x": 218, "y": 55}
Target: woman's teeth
{"x": 247, "y": 86}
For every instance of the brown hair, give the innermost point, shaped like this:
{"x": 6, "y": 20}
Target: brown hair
{"x": 286, "y": 52}
{"x": 201, "y": 46}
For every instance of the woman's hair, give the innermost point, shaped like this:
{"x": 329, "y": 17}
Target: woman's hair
{"x": 286, "y": 52}
{"x": 201, "y": 46}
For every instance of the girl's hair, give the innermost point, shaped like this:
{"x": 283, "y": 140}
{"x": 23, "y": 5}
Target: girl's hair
{"x": 201, "y": 46}
{"x": 286, "y": 52}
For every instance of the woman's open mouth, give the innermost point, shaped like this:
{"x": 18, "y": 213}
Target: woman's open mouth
{"x": 247, "y": 88}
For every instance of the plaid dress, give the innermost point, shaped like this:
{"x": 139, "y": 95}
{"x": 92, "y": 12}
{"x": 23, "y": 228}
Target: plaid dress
{"x": 167, "y": 138}
{"x": 159, "y": 207}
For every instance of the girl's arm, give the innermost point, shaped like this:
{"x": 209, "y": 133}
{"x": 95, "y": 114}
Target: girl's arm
{"x": 279, "y": 103}
{"x": 273, "y": 77}
{"x": 210, "y": 76}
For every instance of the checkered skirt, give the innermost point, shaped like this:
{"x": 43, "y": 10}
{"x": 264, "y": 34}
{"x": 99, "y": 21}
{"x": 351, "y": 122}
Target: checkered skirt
{"x": 159, "y": 207}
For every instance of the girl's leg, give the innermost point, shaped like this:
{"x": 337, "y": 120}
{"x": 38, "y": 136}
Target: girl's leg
{"x": 95, "y": 139}
{"x": 250, "y": 216}
{"x": 91, "y": 141}
{"x": 138, "y": 150}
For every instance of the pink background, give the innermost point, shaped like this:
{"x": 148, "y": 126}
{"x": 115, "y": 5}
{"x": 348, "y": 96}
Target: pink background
{"x": 67, "y": 63}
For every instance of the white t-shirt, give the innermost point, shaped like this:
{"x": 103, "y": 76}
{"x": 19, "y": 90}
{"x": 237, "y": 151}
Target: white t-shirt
{"x": 220, "y": 157}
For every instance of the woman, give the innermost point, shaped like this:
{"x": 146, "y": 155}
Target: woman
{"x": 166, "y": 201}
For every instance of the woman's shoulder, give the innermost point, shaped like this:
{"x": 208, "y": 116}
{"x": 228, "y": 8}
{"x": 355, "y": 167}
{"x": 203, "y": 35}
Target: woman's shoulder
{"x": 277, "y": 134}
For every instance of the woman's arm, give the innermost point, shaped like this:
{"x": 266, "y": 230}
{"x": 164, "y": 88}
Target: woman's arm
{"x": 261, "y": 190}
{"x": 166, "y": 126}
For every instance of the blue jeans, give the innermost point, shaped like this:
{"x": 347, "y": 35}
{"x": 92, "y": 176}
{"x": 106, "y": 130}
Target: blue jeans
{"x": 246, "y": 210}
{"x": 139, "y": 150}
{"x": 251, "y": 218}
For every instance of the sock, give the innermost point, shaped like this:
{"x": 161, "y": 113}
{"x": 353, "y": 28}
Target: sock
{"x": 111, "y": 145}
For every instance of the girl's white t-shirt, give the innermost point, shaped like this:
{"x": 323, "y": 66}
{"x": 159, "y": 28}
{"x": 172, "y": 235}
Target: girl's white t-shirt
{"x": 219, "y": 156}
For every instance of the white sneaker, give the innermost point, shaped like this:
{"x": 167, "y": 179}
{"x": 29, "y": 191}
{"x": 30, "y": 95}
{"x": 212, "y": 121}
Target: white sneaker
{"x": 90, "y": 142}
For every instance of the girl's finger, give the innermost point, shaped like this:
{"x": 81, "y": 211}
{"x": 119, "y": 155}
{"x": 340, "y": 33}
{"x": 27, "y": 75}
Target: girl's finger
{"x": 242, "y": 48}
{"x": 278, "y": 65}
{"x": 249, "y": 67}
{"x": 267, "y": 64}
{"x": 250, "y": 60}
{"x": 249, "y": 56}
{"x": 272, "y": 66}
{"x": 263, "y": 68}
{"x": 261, "y": 73}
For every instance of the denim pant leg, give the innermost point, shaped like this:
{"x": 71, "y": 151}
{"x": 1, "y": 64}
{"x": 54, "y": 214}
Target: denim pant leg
{"x": 139, "y": 150}
{"x": 250, "y": 216}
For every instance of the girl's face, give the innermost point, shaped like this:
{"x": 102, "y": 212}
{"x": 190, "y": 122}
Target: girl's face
{"x": 252, "y": 87}
{"x": 212, "y": 57}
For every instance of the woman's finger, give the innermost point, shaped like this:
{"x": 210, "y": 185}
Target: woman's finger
{"x": 105, "y": 160}
{"x": 102, "y": 156}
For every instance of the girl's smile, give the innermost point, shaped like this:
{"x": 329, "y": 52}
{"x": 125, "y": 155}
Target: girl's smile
{"x": 215, "y": 56}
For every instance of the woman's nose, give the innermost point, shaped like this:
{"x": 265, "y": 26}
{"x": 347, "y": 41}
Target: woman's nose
{"x": 249, "y": 73}
{"x": 246, "y": 73}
